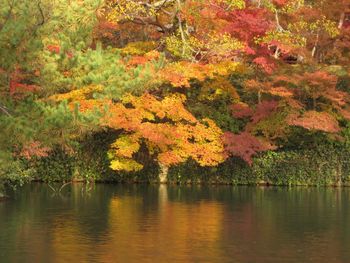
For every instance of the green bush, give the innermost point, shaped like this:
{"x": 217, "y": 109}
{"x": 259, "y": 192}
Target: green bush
{"x": 315, "y": 162}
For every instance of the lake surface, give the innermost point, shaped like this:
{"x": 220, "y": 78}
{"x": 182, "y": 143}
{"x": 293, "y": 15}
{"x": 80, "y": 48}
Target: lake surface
{"x": 142, "y": 223}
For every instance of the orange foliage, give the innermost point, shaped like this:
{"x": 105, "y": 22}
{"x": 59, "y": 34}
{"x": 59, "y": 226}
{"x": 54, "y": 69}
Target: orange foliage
{"x": 34, "y": 149}
{"x": 168, "y": 129}
{"x": 281, "y": 92}
{"x": 54, "y": 48}
{"x": 171, "y": 132}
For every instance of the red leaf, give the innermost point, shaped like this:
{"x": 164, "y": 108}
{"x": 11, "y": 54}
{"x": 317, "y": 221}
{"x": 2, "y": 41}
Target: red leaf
{"x": 244, "y": 145}
{"x": 313, "y": 120}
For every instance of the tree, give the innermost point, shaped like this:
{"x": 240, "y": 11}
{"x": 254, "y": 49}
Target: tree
{"x": 170, "y": 133}
{"x": 28, "y": 31}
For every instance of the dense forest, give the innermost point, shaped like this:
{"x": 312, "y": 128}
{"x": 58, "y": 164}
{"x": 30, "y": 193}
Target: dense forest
{"x": 220, "y": 91}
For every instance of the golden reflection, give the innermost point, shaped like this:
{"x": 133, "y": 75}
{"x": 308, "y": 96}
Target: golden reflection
{"x": 174, "y": 225}
{"x": 137, "y": 230}
{"x": 66, "y": 241}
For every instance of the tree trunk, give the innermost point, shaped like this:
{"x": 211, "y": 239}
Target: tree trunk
{"x": 259, "y": 96}
{"x": 163, "y": 173}
{"x": 314, "y": 49}
{"x": 339, "y": 174}
{"x": 2, "y": 192}
{"x": 341, "y": 20}
{"x": 277, "y": 53}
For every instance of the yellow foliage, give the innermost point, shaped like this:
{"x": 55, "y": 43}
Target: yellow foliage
{"x": 123, "y": 164}
{"x": 78, "y": 94}
{"x": 285, "y": 39}
{"x": 179, "y": 74}
{"x": 218, "y": 87}
{"x": 126, "y": 9}
{"x": 212, "y": 44}
{"x": 233, "y": 4}
{"x": 322, "y": 24}
{"x": 170, "y": 107}
{"x": 125, "y": 146}
{"x": 292, "y": 6}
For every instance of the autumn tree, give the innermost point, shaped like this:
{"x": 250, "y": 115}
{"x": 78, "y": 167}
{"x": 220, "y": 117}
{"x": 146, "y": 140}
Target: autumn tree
{"x": 28, "y": 32}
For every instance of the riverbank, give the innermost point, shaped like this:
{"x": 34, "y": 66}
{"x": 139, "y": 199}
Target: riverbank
{"x": 322, "y": 164}
{"x": 292, "y": 168}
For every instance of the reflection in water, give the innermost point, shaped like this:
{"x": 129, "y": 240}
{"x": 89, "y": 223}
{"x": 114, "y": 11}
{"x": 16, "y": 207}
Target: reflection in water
{"x": 123, "y": 223}
{"x": 176, "y": 226}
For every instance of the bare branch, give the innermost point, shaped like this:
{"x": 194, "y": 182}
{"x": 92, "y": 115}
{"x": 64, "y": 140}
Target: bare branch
{"x": 5, "y": 110}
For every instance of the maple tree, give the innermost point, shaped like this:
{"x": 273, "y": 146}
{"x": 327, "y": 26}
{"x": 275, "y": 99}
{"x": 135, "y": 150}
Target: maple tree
{"x": 171, "y": 133}
{"x": 244, "y": 145}
{"x": 313, "y": 120}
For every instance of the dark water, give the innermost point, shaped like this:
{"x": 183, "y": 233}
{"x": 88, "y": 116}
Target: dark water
{"x": 123, "y": 223}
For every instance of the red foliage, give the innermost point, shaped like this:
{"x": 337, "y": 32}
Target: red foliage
{"x": 18, "y": 89}
{"x": 54, "y": 48}
{"x": 313, "y": 120}
{"x": 241, "y": 111}
{"x": 249, "y": 51}
{"x": 106, "y": 25}
{"x": 319, "y": 78}
{"x": 265, "y": 64}
{"x": 243, "y": 145}
{"x": 247, "y": 24}
{"x": 340, "y": 98}
{"x": 280, "y": 3}
{"x": 263, "y": 110}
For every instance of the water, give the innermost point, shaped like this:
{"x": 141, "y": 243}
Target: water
{"x": 140, "y": 223}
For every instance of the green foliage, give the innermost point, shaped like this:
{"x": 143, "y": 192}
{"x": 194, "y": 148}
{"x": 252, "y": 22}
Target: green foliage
{"x": 25, "y": 27}
{"x": 14, "y": 173}
{"x": 88, "y": 163}
{"x": 325, "y": 165}
{"x": 274, "y": 127}
{"x": 97, "y": 67}
{"x": 318, "y": 164}
{"x": 343, "y": 83}
{"x": 216, "y": 109}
